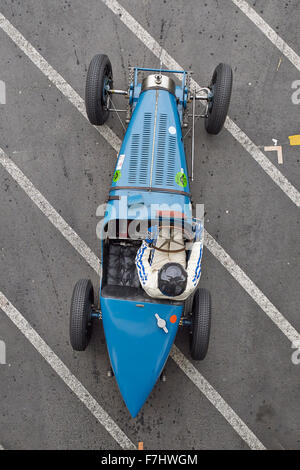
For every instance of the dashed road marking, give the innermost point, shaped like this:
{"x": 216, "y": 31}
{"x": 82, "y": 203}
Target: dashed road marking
{"x": 215, "y": 398}
{"x": 273, "y": 172}
{"x": 269, "y": 32}
{"x": 65, "y": 374}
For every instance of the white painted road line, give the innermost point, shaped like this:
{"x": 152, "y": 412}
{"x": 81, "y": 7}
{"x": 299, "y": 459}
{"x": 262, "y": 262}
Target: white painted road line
{"x": 20, "y": 178}
{"x": 257, "y": 295}
{"x": 52, "y": 215}
{"x": 269, "y": 32}
{"x": 65, "y": 374}
{"x": 236, "y": 132}
{"x": 54, "y": 77}
{"x": 215, "y": 398}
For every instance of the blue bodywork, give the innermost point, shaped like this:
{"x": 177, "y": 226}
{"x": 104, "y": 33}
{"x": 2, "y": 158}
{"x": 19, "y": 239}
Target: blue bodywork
{"x": 147, "y": 163}
{"x": 137, "y": 348}
{"x": 151, "y": 169}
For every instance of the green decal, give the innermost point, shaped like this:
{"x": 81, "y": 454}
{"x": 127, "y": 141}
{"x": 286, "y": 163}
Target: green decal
{"x": 181, "y": 179}
{"x": 117, "y": 176}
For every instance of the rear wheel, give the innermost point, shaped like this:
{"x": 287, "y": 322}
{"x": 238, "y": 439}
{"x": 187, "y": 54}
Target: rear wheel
{"x": 221, "y": 86}
{"x": 81, "y": 314}
{"x": 99, "y": 78}
{"x": 201, "y": 320}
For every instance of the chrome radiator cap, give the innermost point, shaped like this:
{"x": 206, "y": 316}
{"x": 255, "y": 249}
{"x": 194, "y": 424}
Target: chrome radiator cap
{"x": 158, "y": 82}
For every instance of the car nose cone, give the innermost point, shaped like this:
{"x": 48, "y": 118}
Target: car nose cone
{"x": 138, "y": 348}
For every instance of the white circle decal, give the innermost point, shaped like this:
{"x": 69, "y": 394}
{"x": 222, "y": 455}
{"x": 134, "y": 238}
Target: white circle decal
{"x": 172, "y": 130}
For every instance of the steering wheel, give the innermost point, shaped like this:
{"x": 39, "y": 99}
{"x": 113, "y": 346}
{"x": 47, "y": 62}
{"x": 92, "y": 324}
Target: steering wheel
{"x": 172, "y": 229}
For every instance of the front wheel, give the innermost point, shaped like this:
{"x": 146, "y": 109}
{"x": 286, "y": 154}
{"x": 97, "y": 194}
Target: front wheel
{"x": 81, "y": 314}
{"x": 99, "y": 79}
{"x": 221, "y": 86}
{"x": 201, "y": 320}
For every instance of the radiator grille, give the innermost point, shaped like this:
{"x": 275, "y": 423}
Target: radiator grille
{"x": 170, "y": 174}
{"x": 166, "y": 158}
{"x": 134, "y": 158}
{"x": 161, "y": 150}
{"x": 145, "y": 151}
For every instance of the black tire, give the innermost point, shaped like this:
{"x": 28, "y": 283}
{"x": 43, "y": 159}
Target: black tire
{"x": 221, "y": 85}
{"x": 99, "y": 73}
{"x": 201, "y": 320}
{"x": 80, "y": 314}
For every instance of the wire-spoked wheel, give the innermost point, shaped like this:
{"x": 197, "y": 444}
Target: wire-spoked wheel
{"x": 201, "y": 321}
{"x": 81, "y": 314}
{"x": 221, "y": 87}
{"x": 99, "y": 80}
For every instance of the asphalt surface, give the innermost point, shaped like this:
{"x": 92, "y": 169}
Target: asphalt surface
{"x": 249, "y": 361}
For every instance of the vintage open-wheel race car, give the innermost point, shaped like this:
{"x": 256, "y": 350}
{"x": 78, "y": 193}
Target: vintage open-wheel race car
{"x": 151, "y": 172}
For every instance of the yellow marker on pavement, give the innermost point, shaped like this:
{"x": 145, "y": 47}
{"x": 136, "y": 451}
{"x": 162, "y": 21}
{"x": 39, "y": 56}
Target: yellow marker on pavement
{"x": 294, "y": 139}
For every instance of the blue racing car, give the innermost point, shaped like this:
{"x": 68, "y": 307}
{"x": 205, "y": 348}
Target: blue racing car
{"x": 151, "y": 239}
